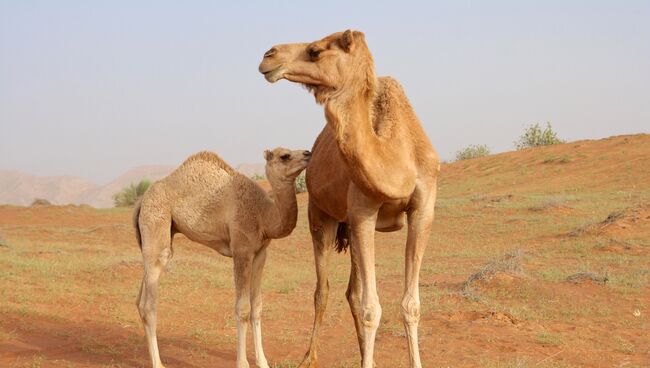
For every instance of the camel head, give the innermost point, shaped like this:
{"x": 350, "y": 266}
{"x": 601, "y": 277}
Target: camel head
{"x": 337, "y": 63}
{"x": 285, "y": 165}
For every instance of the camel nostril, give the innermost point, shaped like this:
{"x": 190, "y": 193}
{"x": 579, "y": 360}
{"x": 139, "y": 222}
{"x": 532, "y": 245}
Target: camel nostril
{"x": 271, "y": 52}
{"x": 307, "y": 153}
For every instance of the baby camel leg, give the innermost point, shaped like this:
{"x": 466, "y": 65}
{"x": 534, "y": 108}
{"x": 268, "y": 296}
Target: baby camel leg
{"x": 156, "y": 252}
{"x": 256, "y": 304}
{"x": 243, "y": 265}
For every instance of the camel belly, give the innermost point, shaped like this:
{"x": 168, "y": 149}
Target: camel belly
{"x": 391, "y": 216}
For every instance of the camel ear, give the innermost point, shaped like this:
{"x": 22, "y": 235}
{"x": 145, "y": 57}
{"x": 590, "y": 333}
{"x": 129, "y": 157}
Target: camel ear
{"x": 268, "y": 155}
{"x": 347, "y": 40}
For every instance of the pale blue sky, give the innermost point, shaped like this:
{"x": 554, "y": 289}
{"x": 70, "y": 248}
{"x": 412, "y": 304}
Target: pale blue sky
{"x": 92, "y": 89}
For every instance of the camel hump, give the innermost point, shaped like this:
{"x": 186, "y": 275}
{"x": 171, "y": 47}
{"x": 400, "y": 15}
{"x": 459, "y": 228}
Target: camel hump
{"x": 209, "y": 157}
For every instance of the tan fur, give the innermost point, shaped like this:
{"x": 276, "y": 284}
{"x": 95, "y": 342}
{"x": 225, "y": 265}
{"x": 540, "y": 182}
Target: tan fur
{"x": 210, "y": 203}
{"x": 372, "y": 167}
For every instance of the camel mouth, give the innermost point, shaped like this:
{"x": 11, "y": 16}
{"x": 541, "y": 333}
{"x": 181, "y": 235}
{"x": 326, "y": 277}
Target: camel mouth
{"x": 274, "y": 75}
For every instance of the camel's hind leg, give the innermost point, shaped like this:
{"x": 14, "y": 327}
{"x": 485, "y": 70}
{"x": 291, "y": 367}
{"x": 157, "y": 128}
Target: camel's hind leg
{"x": 156, "y": 252}
{"x": 353, "y": 294}
{"x": 323, "y": 232}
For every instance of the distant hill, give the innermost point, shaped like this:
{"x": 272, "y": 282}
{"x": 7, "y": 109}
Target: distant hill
{"x": 20, "y": 188}
{"x": 250, "y": 170}
{"x": 102, "y": 195}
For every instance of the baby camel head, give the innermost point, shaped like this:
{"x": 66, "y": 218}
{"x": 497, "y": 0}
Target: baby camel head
{"x": 285, "y": 165}
{"x": 338, "y": 62}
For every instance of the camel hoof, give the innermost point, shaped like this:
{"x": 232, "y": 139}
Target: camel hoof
{"x": 308, "y": 362}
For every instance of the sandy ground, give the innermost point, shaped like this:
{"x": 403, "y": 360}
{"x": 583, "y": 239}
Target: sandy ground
{"x": 555, "y": 240}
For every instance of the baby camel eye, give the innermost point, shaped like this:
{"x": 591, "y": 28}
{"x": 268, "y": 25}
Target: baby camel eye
{"x": 285, "y": 157}
{"x": 314, "y": 54}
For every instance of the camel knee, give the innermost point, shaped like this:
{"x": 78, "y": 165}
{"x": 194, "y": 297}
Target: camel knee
{"x": 371, "y": 315}
{"x": 243, "y": 311}
{"x": 410, "y": 310}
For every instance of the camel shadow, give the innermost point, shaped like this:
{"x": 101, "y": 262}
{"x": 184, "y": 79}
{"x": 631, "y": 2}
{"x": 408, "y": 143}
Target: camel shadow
{"x": 90, "y": 343}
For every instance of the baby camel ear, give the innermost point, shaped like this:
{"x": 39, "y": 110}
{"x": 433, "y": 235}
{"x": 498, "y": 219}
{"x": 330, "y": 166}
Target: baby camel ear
{"x": 347, "y": 40}
{"x": 268, "y": 155}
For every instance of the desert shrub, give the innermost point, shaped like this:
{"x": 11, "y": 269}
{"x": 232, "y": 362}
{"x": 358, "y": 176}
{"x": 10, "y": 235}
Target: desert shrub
{"x": 534, "y": 136}
{"x": 301, "y": 184}
{"x": 130, "y": 194}
{"x": 257, "y": 177}
{"x": 580, "y": 277}
{"x": 473, "y": 151}
{"x": 40, "y": 202}
{"x": 510, "y": 263}
{"x": 564, "y": 159}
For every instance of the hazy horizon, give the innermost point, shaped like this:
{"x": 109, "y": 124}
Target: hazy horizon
{"x": 91, "y": 90}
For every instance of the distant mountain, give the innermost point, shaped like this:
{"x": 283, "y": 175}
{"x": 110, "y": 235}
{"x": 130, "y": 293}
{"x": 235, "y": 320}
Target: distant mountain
{"x": 250, "y": 170}
{"x": 102, "y": 196}
{"x": 19, "y": 188}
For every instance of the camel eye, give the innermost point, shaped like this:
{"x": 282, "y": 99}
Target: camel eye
{"x": 314, "y": 54}
{"x": 285, "y": 157}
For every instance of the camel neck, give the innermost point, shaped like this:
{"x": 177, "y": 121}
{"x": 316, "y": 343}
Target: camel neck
{"x": 281, "y": 214}
{"x": 382, "y": 166}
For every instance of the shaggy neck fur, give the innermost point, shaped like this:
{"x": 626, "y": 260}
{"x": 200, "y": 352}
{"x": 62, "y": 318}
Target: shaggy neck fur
{"x": 281, "y": 213}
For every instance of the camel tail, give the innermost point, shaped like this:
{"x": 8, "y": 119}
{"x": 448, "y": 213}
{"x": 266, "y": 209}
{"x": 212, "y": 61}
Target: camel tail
{"x": 136, "y": 223}
{"x": 342, "y": 241}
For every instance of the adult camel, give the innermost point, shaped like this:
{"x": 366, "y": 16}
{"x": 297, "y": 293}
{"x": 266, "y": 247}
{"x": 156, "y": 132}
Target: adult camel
{"x": 372, "y": 168}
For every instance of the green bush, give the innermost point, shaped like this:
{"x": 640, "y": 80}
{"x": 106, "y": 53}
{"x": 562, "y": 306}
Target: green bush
{"x": 473, "y": 151}
{"x": 534, "y": 136}
{"x": 301, "y": 184}
{"x": 130, "y": 194}
{"x": 40, "y": 202}
{"x": 258, "y": 177}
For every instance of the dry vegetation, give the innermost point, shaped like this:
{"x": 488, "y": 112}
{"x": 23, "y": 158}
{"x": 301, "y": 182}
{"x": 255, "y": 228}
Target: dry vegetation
{"x": 69, "y": 278}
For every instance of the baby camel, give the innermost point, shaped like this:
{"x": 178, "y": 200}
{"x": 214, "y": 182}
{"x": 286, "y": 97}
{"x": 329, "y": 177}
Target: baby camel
{"x": 212, "y": 204}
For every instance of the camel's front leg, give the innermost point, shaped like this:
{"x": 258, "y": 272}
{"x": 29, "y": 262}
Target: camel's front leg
{"x": 420, "y": 218}
{"x": 362, "y": 214}
{"x": 256, "y": 303}
{"x": 243, "y": 264}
